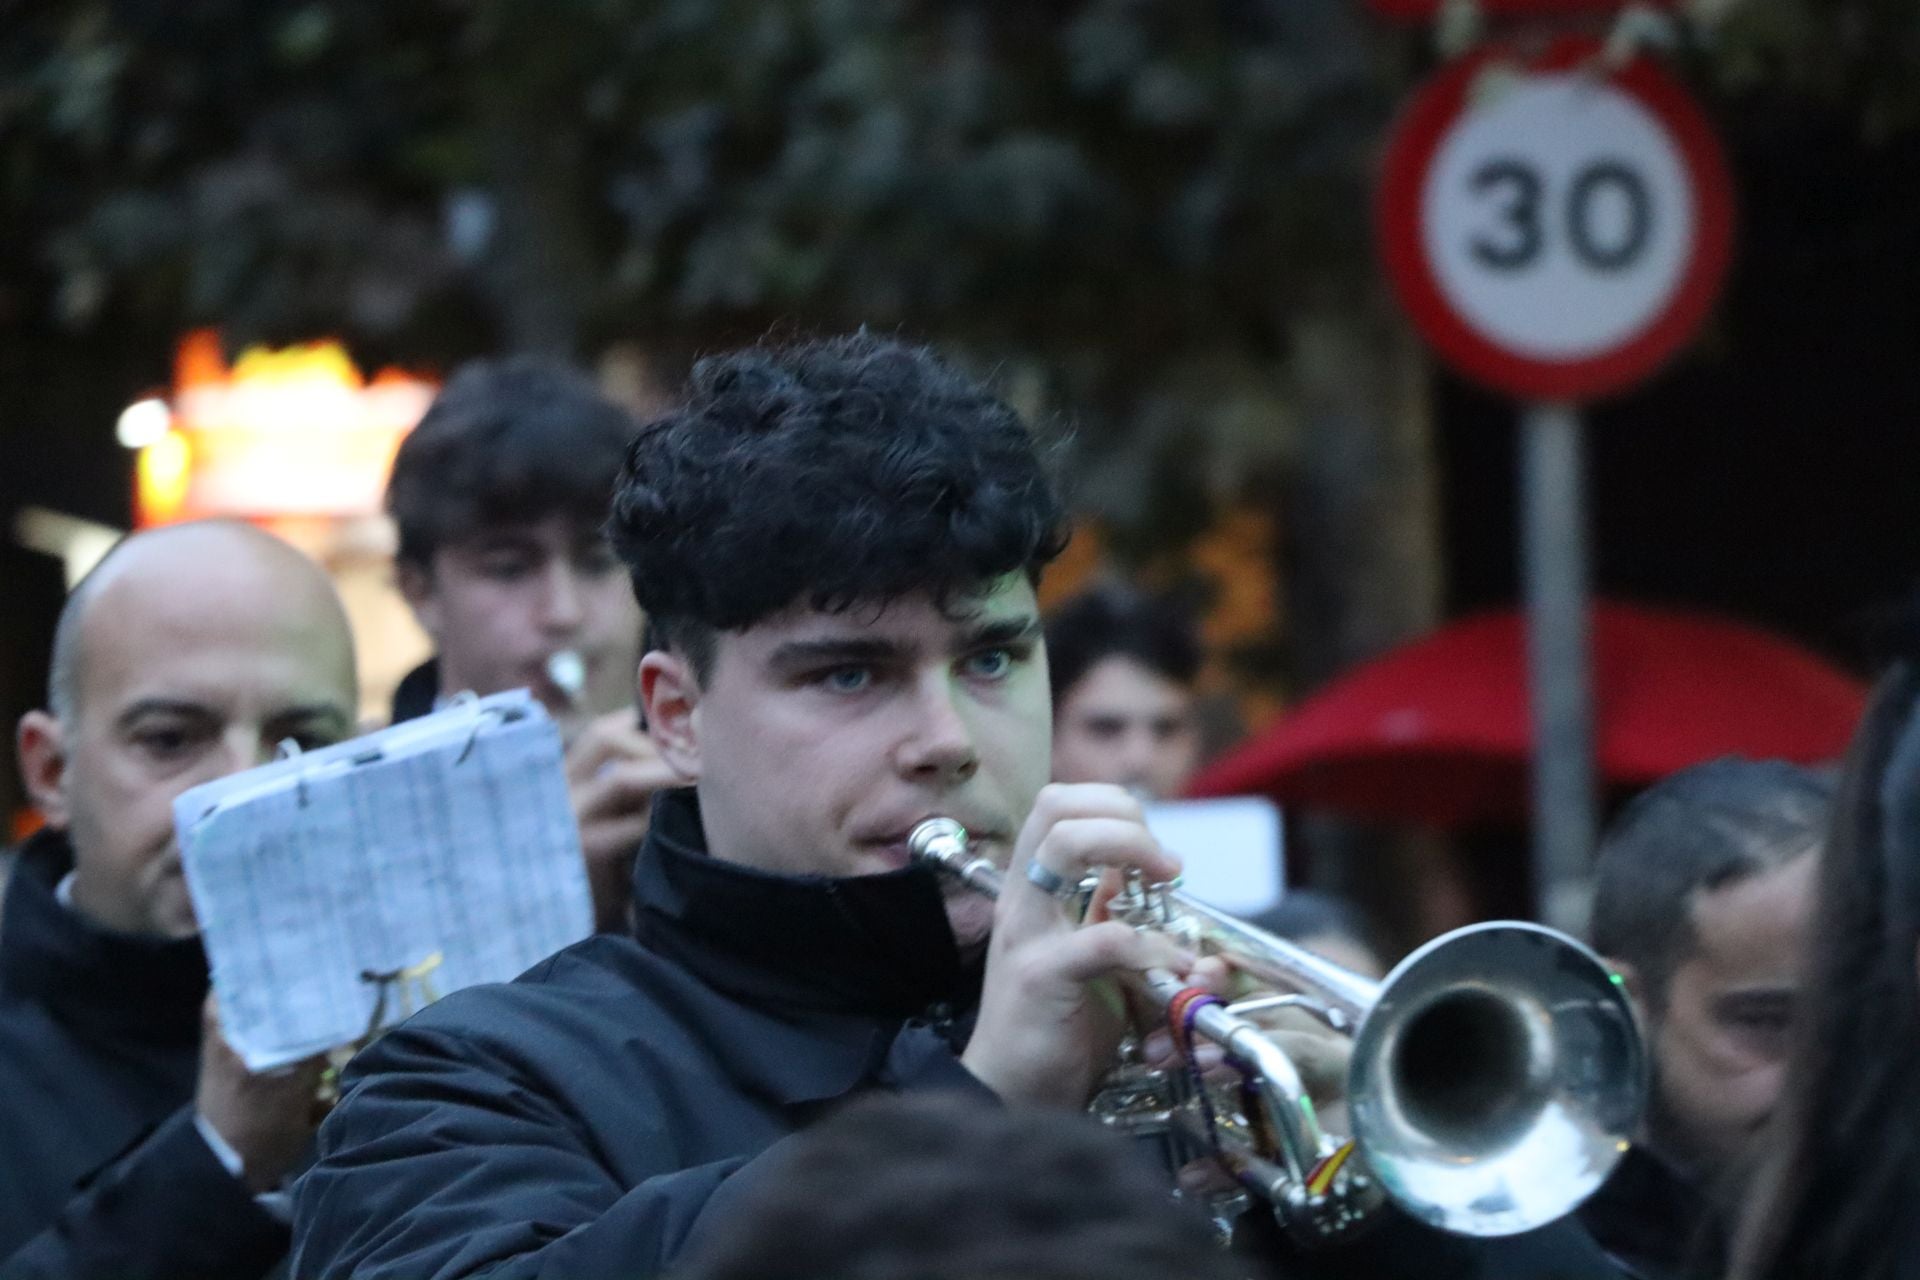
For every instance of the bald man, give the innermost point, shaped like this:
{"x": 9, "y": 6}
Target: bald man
{"x": 132, "y": 1140}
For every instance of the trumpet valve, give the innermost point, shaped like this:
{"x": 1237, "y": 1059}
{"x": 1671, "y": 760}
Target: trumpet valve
{"x": 1147, "y": 905}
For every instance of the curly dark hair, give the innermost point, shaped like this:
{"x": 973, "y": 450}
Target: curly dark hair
{"x": 506, "y": 442}
{"x": 832, "y": 473}
{"x": 1114, "y": 620}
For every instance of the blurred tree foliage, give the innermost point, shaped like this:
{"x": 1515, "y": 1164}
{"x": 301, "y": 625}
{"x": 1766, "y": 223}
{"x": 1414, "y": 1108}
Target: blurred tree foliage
{"x": 1124, "y": 207}
{"x": 1150, "y": 217}
{"x": 1130, "y": 195}
{"x": 1858, "y": 58}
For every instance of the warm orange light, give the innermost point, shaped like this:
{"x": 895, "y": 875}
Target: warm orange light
{"x": 198, "y": 361}
{"x": 164, "y": 472}
{"x": 25, "y": 822}
{"x": 289, "y": 431}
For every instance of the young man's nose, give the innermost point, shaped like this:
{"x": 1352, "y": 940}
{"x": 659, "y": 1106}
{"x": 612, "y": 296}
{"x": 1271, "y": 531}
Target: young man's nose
{"x": 939, "y": 740}
{"x": 1136, "y": 755}
{"x": 562, "y": 600}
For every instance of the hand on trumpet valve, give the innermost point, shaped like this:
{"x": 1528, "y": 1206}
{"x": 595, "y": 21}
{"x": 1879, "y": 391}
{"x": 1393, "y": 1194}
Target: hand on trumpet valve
{"x": 1459, "y": 1081}
{"x": 1053, "y": 1010}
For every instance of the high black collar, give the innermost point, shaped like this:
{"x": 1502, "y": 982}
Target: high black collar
{"x": 417, "y": 692}
{"x": 114, "y": 985}
{"x": 877, "y": 945}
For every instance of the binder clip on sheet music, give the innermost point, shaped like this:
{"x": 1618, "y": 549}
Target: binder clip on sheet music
{"x": 340, "y": 890}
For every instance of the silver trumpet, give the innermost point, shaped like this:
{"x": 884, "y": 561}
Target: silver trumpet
{"x": 1496, "y": 1075}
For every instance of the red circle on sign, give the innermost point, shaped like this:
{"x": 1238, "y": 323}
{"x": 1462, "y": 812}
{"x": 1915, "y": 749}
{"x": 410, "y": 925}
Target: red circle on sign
{"x": 1416, "y": 139}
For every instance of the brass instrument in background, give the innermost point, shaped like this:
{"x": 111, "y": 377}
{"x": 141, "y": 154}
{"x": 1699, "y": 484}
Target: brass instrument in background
{"x": 1497, "y": 1073}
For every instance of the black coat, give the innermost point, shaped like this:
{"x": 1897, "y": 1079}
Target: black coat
{"x": 1657, "y": 1222}
{"x": 574, "y": 1123}
{"x": 102, "y": 1172}
{"x": 417, "y": 691}
{"x": 579, "y": 1122}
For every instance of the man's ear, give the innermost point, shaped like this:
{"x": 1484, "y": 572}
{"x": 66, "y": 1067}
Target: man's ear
{"x": 415, "y": 581}
{"x": 670, "y": 701}
{"x": 41, "y": 743}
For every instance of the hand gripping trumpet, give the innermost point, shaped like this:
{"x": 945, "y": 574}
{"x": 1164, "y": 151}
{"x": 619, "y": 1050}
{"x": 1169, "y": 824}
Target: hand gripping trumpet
{"x": 1496, "y": 1076}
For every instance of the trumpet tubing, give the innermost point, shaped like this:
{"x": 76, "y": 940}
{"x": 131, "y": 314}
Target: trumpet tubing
{"x": 1496, "y": 1077}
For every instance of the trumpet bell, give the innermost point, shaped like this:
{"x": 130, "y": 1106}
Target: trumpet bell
{"x": 1497, "y": 1080}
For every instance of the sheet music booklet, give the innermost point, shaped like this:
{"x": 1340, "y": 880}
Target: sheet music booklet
{"x": 339, "y": 890}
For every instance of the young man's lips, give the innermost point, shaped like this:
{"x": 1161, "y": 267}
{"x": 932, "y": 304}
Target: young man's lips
{"x": 893, "y": 852}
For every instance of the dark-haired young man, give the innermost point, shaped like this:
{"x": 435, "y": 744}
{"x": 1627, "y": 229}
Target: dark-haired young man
{"x": 500, "y": 495}
{"x": 837, "y": 547}
{"x": 1703, "y": 897}
{"x": 1123, "y": 665}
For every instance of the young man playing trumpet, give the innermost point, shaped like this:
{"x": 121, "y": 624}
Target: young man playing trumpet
{"x": 837, "y": 547}
{"x": 500, "y": 497}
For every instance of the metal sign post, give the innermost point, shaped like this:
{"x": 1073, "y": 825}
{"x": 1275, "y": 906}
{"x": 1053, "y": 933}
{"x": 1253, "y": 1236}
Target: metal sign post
{"x": 1554, "y": 546}
{"x": 1557, "y": 225}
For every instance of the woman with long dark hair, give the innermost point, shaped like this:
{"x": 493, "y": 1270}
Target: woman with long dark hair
{"x": 1840, "y": 1199}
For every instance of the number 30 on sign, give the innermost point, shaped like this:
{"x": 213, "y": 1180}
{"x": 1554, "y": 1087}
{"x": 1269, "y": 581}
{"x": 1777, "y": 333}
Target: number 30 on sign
{"x": 1556, "y": 228}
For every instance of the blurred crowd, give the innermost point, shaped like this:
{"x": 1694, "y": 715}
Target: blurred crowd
{"x": 780, "y": 626}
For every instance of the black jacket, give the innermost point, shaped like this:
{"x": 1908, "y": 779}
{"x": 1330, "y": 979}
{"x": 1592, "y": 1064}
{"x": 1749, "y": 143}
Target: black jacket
{"x": 579, "y": 1122}
{"x": 575, "y": 1122}
{"x": 417, "y": 691}
{"x": 1657, "y": 1222}
{"x": 102, "y": 1172}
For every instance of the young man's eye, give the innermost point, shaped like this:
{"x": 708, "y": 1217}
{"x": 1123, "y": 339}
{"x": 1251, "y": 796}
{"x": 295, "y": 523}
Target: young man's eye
{"x": 846, "y": 679}
{"x": 990, "y": 664}
{"x": 1762, "y": 1023}
{"x": 596, "y": 563}
{"x": 1763, "y": 1028}
{"x": 505, "y": 568}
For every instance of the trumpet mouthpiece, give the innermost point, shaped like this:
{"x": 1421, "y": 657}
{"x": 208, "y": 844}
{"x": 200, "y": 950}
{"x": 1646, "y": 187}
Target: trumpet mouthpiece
{"x": 937, "y": 839}
{"x": 942, "y": 842}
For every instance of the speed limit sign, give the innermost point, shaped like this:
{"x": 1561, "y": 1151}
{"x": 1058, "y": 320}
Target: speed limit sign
{"x": 1555, "y": 227}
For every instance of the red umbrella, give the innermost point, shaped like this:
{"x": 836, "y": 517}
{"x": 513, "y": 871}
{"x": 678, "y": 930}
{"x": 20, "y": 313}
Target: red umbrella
{"x": 1437, "y": 731}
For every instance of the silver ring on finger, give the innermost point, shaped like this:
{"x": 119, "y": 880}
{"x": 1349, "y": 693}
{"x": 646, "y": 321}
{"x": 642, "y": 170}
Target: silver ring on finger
{"x": 1051, "y": 882}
